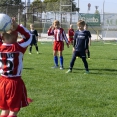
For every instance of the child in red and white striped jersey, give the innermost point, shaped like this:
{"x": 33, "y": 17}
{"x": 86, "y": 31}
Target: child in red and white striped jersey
{"x": 58, "y": 45}
{"x": 13, "y": 94}
{"x": 71, "y": 34}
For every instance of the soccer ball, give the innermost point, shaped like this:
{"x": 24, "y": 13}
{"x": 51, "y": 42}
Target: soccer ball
{"x": 5, "y": 22}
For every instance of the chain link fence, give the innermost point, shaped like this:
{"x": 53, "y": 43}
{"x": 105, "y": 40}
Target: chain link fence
{"x": 102, "y": 26}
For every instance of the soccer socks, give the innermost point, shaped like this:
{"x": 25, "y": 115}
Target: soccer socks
{"x": 56, "y": 60}
{"x": 85, "y": 64}
{"x": 36, "y": 48}
{"x": 61, "y": 61}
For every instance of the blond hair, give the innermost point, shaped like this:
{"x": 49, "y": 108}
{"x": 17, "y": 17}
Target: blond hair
{"x": 56, "y": 22}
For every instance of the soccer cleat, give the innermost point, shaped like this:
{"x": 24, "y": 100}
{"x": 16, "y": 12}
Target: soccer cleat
{"x": 86, "y": 72}
{"x": 37, "y": 52}
{"x": 88, "y": 57}
{"x": 69, "y": 71}
{"x": 30, "y": 53}
{"x": 61, "y": 68}
{"x": 54, "y": 67}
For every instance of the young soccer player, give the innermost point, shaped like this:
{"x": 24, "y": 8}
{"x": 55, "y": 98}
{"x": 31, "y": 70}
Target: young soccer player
{"x": 34, "y": 39}
{"x": 80, "y": 46}
{"x": 89, "y": 40}
{"x": 13, "y": 94}
{"x": 71, "y": 34}
{"x": 58, "y": 45}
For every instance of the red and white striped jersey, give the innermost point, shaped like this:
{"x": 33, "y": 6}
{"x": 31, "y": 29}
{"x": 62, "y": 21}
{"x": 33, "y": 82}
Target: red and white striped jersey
{"x": 11, "y": 55}
{"x": 59, "y": 34}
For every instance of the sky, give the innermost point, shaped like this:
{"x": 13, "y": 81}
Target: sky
{"x": 107, "y": 6}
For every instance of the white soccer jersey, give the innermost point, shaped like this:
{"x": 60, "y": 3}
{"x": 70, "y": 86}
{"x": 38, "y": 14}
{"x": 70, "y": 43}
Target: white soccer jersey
{"x": 11, "y": 55}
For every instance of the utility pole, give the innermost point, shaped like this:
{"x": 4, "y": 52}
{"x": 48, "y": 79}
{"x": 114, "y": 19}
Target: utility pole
{"x": 78, "y": 10}
{"x": 103, "y": 10}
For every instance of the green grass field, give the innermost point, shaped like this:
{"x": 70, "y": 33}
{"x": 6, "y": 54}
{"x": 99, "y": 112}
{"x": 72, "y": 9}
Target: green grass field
{"x": 57, "y": 94}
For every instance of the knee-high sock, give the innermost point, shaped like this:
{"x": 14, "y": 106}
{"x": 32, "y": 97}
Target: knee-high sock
{"x": 36, "y": 48}
{"x": 56, "y": 60}
{"x": 61, "y": 61}
{"x": 85, "y": 64}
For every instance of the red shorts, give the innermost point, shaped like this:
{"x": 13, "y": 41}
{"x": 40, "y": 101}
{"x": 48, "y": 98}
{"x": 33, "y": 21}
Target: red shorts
{"x": 58, "y": 46}
{"x": 13, "y": 94}
{"x": 70, "y": 40}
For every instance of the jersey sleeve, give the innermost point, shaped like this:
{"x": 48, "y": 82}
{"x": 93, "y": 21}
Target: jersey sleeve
{"x": 50, "y": 31}
{"x": 36, "y": 33}
{"x": 89, "y": 34}
{"x": 27, "y": 37}
{"x": 75, "y": 36}
{"x": 64, "y": 36}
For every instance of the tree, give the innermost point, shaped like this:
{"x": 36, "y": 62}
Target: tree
{"x": 97, "y": 12}
{"x": 34, "y": 9}
{"x": 16, "y": 2}
{"x": 10, "y": 7}
{"x": 54, "y": 5}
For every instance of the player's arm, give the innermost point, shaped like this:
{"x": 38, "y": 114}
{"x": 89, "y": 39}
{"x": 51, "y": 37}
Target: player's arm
{"x": 65, "y": 38}
{"x": 27, "y": 37}
{"x": 50, "y": 31}
{"x": 74, "y": 42}
{"x": 86, "y": 43}
{"x": 89, "y": 38}
{"x": 36, "y": 34}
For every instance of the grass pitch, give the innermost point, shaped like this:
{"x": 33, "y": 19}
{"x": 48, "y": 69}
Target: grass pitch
{"x": 57, "y": 94}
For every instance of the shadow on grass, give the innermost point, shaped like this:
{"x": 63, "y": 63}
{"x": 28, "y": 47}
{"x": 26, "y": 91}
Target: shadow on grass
{"x": 28, "y": 68}
{"x": 98, "y": 71}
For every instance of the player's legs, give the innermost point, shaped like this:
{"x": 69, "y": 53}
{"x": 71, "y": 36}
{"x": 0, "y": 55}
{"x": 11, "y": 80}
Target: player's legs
{"x": 83, "y": 56}
{"x": 12, "y": 114}
{"x": 55, "y": 52}
{"x": 36, "y": 47}
{"x": 60, "y": 49}
{"x": 85, "y": 63}
{"x": 30, "y": 48}
{"x": 75, "y": 53}
{"x": 61, "y": 59}
{"x": 55, "y": 58}
{"x": 71, "y": 41}
{"x": 88, "y": 53}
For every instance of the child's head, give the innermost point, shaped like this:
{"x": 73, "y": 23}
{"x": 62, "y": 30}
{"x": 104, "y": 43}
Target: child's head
{"x": 56, "y": 24}
{"x": 71, "y": 26}
{"x": 31, "y": 26}
{"x": 9, "y": 37}
{"x": 81, "y": 24}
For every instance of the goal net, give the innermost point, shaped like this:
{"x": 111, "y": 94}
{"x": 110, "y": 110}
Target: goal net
{"x": 109, "y": 27}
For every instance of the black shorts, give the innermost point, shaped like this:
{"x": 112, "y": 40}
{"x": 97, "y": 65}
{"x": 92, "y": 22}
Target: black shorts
{"x": 34, "y": 42}
{"x": 81, "y": 54}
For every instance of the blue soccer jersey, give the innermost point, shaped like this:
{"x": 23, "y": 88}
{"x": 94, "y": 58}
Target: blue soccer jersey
{"x": 81, "y": 40}
{"x": 34, "y": 35}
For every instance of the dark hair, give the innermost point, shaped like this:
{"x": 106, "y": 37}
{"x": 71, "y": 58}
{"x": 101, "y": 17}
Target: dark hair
{"x": 81, "y": 22}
